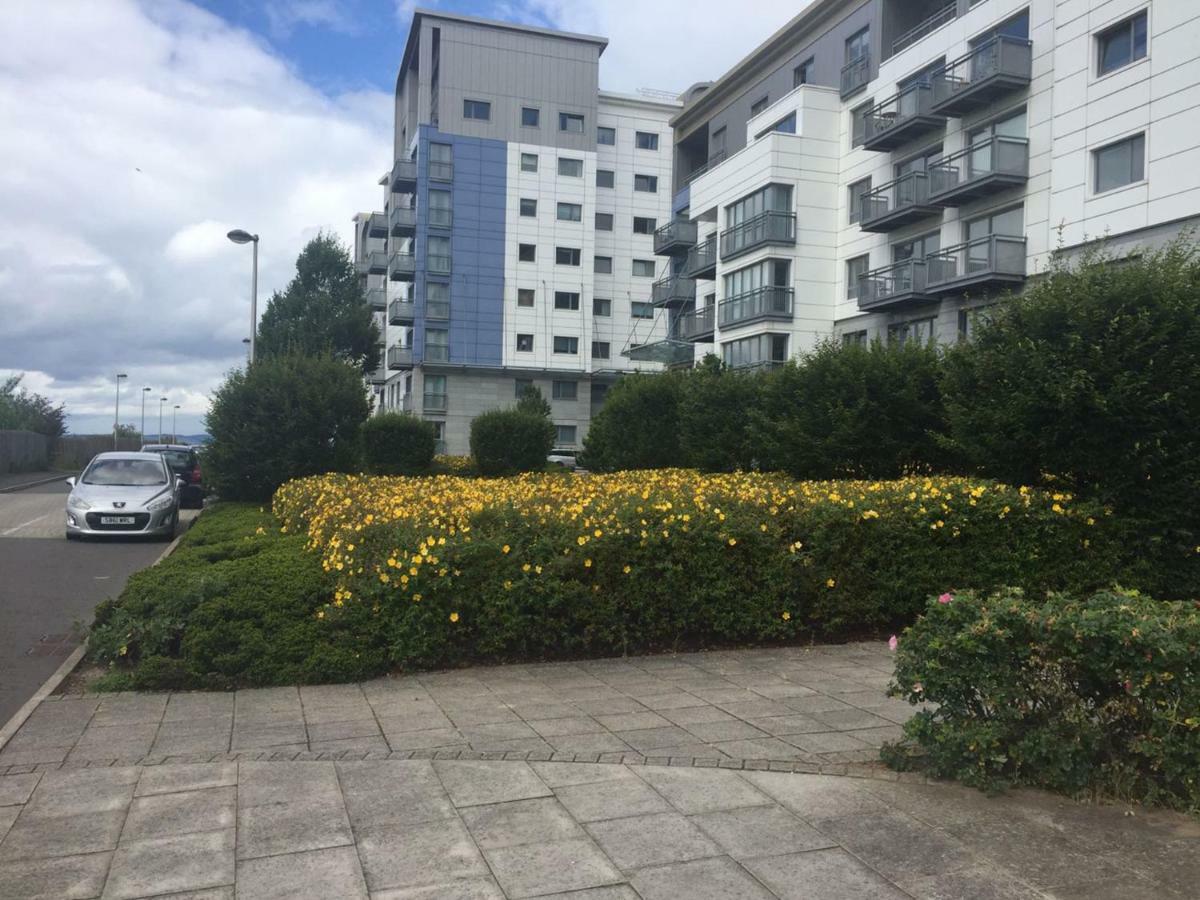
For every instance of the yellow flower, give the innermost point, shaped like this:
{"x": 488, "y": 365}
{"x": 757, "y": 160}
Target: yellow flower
{"x": 416, "y": 598}
{"x": 627, "y": 570}
{"x": 587, "y": 563}
{"x": 526, "y": 567}
{"x": 453, "y": 617}
{"x": 733, "y": 542}
{"x": 786, "y": 615}
{"x": 829, "y": 582}
{"x": 505, "y": 548}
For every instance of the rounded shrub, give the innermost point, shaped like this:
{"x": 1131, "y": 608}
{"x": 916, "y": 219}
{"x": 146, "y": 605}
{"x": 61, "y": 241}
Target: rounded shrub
{"x": 508, "y": 441}
{"x": 398, "y": 444}
{"x": 638, "y": 425}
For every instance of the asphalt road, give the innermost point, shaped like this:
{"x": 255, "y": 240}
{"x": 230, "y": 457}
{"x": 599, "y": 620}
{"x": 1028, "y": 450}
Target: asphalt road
{"x": 49, "y": 586}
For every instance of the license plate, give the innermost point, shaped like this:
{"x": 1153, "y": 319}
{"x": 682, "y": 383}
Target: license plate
{"x": 116, "y": 520}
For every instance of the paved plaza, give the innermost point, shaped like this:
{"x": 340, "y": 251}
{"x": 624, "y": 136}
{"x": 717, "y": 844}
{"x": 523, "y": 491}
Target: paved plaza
{"x": 743, "y": 774}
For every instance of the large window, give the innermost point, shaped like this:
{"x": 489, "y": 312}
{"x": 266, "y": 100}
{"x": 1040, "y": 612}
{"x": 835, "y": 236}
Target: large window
{"x": 772, "y": 198}
{"x": 566, "y": 300}
{"x": 521, "y": 385}
{"x": 525, "y": 296}
{"x": 437, "y": 345}
{"x": 919, "y": 331}
{"x": 604, "y": 221}
{"x": 759, "y": 105}
{"x": 526, "y": 252}
{"x": 1009, "y": 222}
{"x": 602, "y": 265}
{"x": 768, "y": 273}
{"x": 528, "y": 206}
{"x": 854, "y": 268}
{"x": 570, "y": 212}
{"x": 477, "y": 109}
{"x": 564, "y": 435}
{"x": 858, "y": 45}
{"x": 525, "y": 343}
{"x": 757, "y": 350}
{"x": 606, "y": 136}
{"x": 601, "y": 349}
{"x": 601, "y": 306}
{"x": 854, "y": 195}
{"x": 858, "y": 123}
{"x": 529, "y": 162}
{"x": 802, "y": 74}
{"x": 640, "y": 309}
{"x": 643, "y": 268}
{"x": 646, "y": 183}
{"x": 572, "y": 168}
{"x": 567, "y": 256}
{"x": 1121, "y": 44}
{"x": 440, "y": 213}
{"x": 530, "y": 116}
{"x": 645, "y": 140}
{"x": 605, "y": 178}
{"x": 566, "y": 344}
{"x": 437, "y": 300}
{"x": 564, "y": 390}
{"x": 644, "y": 225}
{"x": 918, "y": 247}
{"x": 1120, "y": 163}
{"x": 570, "y": 122}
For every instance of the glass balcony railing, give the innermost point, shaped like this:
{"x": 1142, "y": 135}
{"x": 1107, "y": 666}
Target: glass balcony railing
{"x": 434, "y": 402}
{"x": 895, "y": 285}
{"x": 402, "y": 265}
{"x": 993, "y": 68}
{"x": 769, "y": 227}
{"x": 993, "y": 164}
{"x": 674, "y": 290}
{"x": 377, "y": 225}
{"x": 401, "y": 312}
{"x": 377, "y": 298}
{"x": 702, "y": 259}
{"x": 399, "y": 358}
{"x": 697, "y": 324}
{"x": 989, "y": 260}
{"x": 896, "y": 203}
{"x": 373, "y": 262}
{"x": 404, "y": 176}
{"x": 403, "y": 220}
{"x": 714, "y": 160}
{"x": 674, "y": 238}
{"x": 855, "y": 75}
{"x": 901, "y": 118}
{"x": 767, "y": 302}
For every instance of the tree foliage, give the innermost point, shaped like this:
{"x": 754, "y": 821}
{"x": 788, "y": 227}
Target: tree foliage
{"x": 508, "y": 441}
{"x": 638, "y": 426}
{"x": 398, "y": 444}
{"x": 22, "y": 410}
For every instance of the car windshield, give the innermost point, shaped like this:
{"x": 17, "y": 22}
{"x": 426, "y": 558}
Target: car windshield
{"x": 177, "y": 459}
{"x": 125, "y": 472}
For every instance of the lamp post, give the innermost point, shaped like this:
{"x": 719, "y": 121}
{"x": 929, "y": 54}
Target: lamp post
{"x": 117, "y": 409}
{"x": 161, "y": 401}
{"x": 145, "y": 391}
{"x": 174, "y": 433}
{"x": 246, "y": 341}
{"x": 238, "y": 236}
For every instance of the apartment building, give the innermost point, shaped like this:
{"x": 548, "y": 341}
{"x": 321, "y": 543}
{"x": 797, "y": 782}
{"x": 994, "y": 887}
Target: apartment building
{"x": 516, "y": 242}
{"x": 890, "y": 168}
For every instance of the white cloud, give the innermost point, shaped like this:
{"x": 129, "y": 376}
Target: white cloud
{"x": 198, "y": 241}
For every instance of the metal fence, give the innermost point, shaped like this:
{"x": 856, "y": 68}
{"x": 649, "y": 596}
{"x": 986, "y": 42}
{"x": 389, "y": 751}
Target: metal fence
{"x": 76, "y": 450}
{"x": 22, "y": 451}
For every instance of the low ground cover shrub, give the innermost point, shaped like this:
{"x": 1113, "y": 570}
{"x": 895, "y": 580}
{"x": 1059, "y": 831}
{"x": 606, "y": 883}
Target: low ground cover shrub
{"x": 1087, "y": 693}
{"x": 398, "y": 444}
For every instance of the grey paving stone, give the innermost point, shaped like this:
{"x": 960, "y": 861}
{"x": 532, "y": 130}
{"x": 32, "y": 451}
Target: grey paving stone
{"x": 8, "y": 815}
{"x": 639, "y": 841}
{"x": 610, "y": 799}
{"x": 827, "y": 742}
{"x": 595, "y": 742}
{"x": 172, "y": 778}
{"x": 392, "y": 792}
{"x": 465, "y": 889}
{"x": 529, "y": 870}
{"x": 781, "y": 726}
{"x": 713, "y": 732}
{"x": 16, "y": 789}
{"x": 476, "y": 783}
{"x": 395, "y": 856}
{"x": 758, "y": 708}
{"x": 701, "y": 790}
{"x": 988, "y": 883}
{"x": 187, "y": 862}
{"x": 782, "y": 690}
{"x": 632, "y": 721}
{"x": 356, "y": 744}
{"x": 676, "y": 700}
{"x": 719, "y": 878}
{"x": 267, "y": 736}
{"x": 499, "y": 731}
{"x": 649, "y": 739}
{"x": 36, "y": 756}
{"x": 760, "y": 831}
{"x": 62, "y": 878}
{"x": 131, "y": 709}
{"x": 166, "y": 815}
{"x": 225, "y": 892}
{"x": 520, "y": 822}
{"x": 189, "y": 744}
{"x": 851, "y": 719}
{"x": 760, "y": 748}
{"x": 68, "y": 835}
{"x": 548, "y": 728}
{"x": 494, "y": 714}
{"x": 187, "y": 707}
{"x": 556, "y": 774}
{"x": 335, "y": 731}
{"x": 897, "y": 845}
{"x": 815, "y": 704}
{"x": 427, "y": 739}
{"x": 530, "y": 711}
{"x": 309, "y": 823}
{"x": 696, "y": 714}
{"x": 314, "y": 875}
{"x": 822, "y": 875}
{"x": 816, "y": 796}
{"x": 609, "y": 892}
{"x": 608, "y": 706}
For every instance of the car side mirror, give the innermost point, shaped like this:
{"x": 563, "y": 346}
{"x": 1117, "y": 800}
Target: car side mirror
{"x": 70, "y": 481}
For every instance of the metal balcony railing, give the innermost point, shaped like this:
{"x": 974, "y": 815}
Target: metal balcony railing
{"x": 403, "y": 220}
{"x": 433, "y": 402}
{"x": 993, "y": 164}
{"x": 437, "y": 353}
{"x": 770, "y": 227}
{"x": 401, "y": 312}
{"x": 767, "y": 302}
{"x": 373, "y": 262}
{"x": 712, "y": 162}
{"x": 674, "y": 290}
{"x": 702, "y": 259}
{"x": 377, "y": 226}
{"x": 399, "y": 358}
{"x": 991, "y": 259}
{"x": 896, "y": 203}
{"x": 899, "y": 283}
{"x": 438, "y": 265}
{"x": 404, "y": 176}
{"x": 402, "y": 265}
{"x": 855, "y": 75}
{"x": 674, "y": 238}
{"x": 377, "y": 298}
{"x": 698, "y": 323}
{"x": 928, "y": 26}
{"x": 901, "y": 118}
{"x": 994, "y": 67}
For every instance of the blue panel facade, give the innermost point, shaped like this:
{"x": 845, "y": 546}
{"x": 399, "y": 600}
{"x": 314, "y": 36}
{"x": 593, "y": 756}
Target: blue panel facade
{"x": 479, "y": 200}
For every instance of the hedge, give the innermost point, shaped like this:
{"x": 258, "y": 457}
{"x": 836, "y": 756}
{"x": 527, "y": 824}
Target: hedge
{"x": 398, "y": 444}
{"x": 508, "y": 441}
{"x": 1080, "y": 694}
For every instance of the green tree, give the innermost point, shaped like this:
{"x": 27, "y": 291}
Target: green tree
{"x": 398, "y": 444}
{"x": 638, "y": 425}
{"x": 323, "y": 310}
{"x": 283, "y": 418}
{"x": 21, "y": 410}
{"x": 508, "y": 441}
{"x": 532, "y": 400}
{"x": 716, "y": 405}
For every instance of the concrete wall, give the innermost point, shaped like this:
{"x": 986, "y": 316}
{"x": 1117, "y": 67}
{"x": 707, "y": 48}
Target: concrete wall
{"x": 22, "y": 451}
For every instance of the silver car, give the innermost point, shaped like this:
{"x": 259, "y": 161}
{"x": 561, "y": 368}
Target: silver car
{"x": 124, "y": 494}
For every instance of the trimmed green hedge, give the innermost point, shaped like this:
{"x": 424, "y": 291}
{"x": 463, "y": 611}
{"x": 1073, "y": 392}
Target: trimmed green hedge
{"x": 398, "y": 444}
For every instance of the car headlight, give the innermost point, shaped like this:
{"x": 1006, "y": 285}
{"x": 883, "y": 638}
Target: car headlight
{"x": 161, "y": 503}
{"x": 74, "y": 502}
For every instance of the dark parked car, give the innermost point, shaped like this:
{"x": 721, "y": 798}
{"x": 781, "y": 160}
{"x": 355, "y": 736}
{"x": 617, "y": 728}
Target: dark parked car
{"x": 184, "y": 462}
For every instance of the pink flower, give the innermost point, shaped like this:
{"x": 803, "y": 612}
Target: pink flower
{"x": 893, "y": 643}
{"x": 945, "y": 598}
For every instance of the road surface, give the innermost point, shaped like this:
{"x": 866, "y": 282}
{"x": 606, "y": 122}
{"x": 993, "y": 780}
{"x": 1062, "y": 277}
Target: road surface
{"x": 49, "y": 586}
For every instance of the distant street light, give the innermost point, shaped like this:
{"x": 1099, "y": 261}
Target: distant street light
{"x": 117, "y": 410}
{"x": 145, "y": 391}
{"x": 174, "y": 433}
{"x": 246, "y": 341}
{"x": 238, "y": 236}
{"x": 161, "y": 401}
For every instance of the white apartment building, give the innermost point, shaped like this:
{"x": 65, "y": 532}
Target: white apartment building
{"x": 516, "y": 242}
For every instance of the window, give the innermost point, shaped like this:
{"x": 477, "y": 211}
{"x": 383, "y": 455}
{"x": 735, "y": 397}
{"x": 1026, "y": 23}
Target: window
{"x": 645, "y": 140}
{"x": 601, "y": 349}
{"x": 572, "y": 168}
{"x": 566, "y": 300}
{"x": 437, "y": 345}
{"x": 521, "y": 385}
{"x": 858, "y": 45}
{"x": 759, "y": 105}
{"x": 716, "y": 144}
{"x": 646, "y": 183}
{"x": 604, "y": 221}
{"x": 441, "y": 161}
{"x": 441, "y": 213}
{"x": 854, "y": 268}
{"x": 858, "y": 123}
{"x": 526, "y": 252}
{"x": 757, "y": 350}
{"x": 643, "y": 268}
{"x": 437, "y": 300}
{"x": 916, "y": 331}
{"x": 601, "y": 306}
{"x": 435, "y": 392}
{"x": 477, "y": 109}
{"x": 640, "y": 309}
{"x": 599, "y": 392}
{"x": 605, "y": 178}
{"x": 530, "y": 116}
{"x": 529, "y": 162}
{"x": 854, "y": 195}
{"x": 1008, "y": 222}
{"x": 918, "y": 247}
{"x": 437, "y": 254}
{"x": 602, "y": 265}
{"x": 969, "y": 321}
{"x": 524, "y": 343}
{"x": 772, "y": 198}
{"x": 524, "y": 296}
{"x": 1120, "y": 163}
{"x": 567, "y": 256}
{"x": 854, "y": 338}
{"x": 644, "y": 225}
{"x": 528, "y": 206}
{"x": 606, "y": 136}
{"x": 564, "y": 435}
{"x": 802, "y": 74}
{"x": 564, "y": 390}
{"x": 566, "y": 344}
{"x": 786, "y": 125}
{"x": 570, "y": 212}
{"x": 570, "y": 122}
{"x": 1121, "y": 44}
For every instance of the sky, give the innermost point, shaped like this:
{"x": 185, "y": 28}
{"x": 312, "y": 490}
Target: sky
{"x": 136, "y": 134}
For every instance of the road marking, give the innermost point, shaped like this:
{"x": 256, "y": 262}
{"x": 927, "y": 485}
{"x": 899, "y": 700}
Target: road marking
{"x": 17, "y": 528}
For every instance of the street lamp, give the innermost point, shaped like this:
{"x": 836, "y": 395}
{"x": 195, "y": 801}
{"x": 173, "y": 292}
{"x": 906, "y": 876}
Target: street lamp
{"x": 174, "y": 433}
{"x": 246, "y": 341}
{"x": 117, "y": 410}
{"x": 145, "y": 391}
{"x": 238, "y": 236}
{"x": 161, "y": 401}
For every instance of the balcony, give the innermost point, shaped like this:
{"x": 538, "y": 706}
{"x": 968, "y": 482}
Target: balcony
{"x": 996, "y": 67}
{"x": 401, "y": 312}
{"x": 437, "y": 310}
{"x": 373, "y": 262}
{"x": 984, "y": 168}
{"x": 897, "y": 203}
{"x": 399, "y": 358}
{"x": 995, "y": 260}
{"x": 436, "y": 264}
{"x": 674, "y": 290}
{"x": 675, "y": 238}
{"x": 897, "y": 285}
{"x": 769, "y": 302}
{"x": 769, "y": 227}
{"x": 404, "y": 176}
{"x": 902, "y": 118}
{"x": 926, "y": 26}
{"x": 432, "y": 402}
{"x": 702, "y": 259}
{"x": 709, "y": 164}
{"x": 441, "y": 171}
{"x": 377, "y": 298}
{"x": 669, "y": 352}
{"x": 403, "y": 221}
{"x": 402, "y": 266}
{"x": 855, "y": 75}
{"x": 377, "y": 225}
{"x": 697, "y": 325}
{"x": 441, "y": 218}
{"x": 437, "y": 353}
